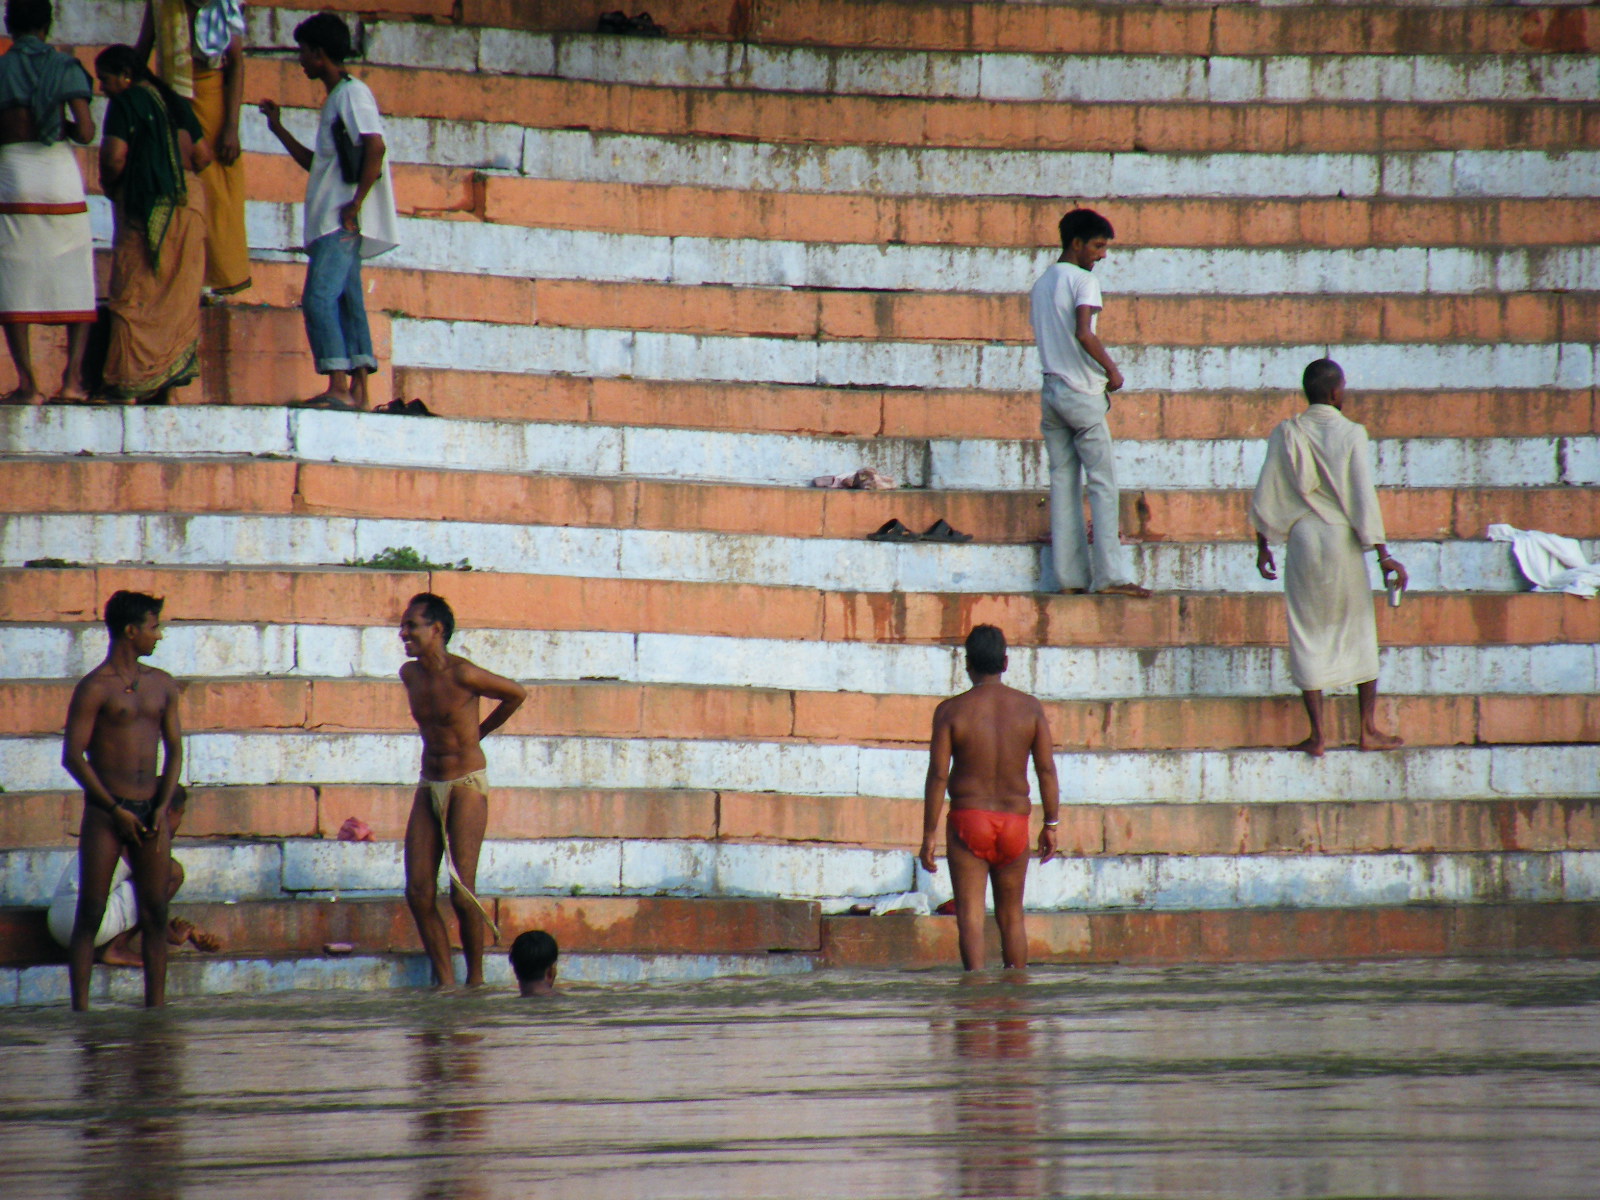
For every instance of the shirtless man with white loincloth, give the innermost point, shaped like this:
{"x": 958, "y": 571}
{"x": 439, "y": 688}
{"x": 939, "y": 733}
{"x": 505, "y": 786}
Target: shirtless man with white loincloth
{"x": 451, "y": 806}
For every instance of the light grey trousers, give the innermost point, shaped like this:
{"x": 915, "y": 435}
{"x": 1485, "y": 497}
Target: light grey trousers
{"x": 1078, "y": 441}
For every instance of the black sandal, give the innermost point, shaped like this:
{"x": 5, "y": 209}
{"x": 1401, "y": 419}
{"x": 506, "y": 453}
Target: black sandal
{"x": 942, "y": 531}
{"x": 892, "y": 531}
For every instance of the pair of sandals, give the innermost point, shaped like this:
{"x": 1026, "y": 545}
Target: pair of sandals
{"x": 405, "y": 408}
{"x": 621, "y": 22}
{"x": 940, "y": 531}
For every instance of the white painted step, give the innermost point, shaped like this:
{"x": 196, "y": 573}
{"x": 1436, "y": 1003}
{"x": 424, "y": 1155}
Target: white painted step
{"x": 695, "y": 455}
{"x": 522, "y": 251}
{"x": 321, "y": 869}
{"x": 226, "y": 651}
{"x": 1174, "y": 777}
{"x": 854, "y": 565}
{"x": 616, "y": 353}
{"x": 324, "y": 868}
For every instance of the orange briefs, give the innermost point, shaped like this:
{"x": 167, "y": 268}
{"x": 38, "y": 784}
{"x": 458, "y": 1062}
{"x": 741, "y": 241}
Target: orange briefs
{"x": 995, "y": 837}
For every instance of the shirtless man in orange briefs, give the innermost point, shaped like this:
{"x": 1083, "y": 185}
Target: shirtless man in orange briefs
{"x": 451, "y": 805}
{"x": 989, "y": 731}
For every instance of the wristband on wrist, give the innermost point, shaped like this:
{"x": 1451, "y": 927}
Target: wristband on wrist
{"x": 1051, "y": 824}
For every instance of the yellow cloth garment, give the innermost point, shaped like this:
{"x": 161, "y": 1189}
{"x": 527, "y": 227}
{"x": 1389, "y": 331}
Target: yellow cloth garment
{"x": 227, "y": 249}
{"x": 174, "y": 45}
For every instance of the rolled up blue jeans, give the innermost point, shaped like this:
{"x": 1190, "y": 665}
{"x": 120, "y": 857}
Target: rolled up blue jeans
{"x": 334, "y": 309}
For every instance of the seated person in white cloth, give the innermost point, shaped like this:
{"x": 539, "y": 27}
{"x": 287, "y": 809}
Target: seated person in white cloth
{"x": 112, "y": 943}
{"x": 46, "y": 248}
{"x": 451, "y": 805}
{"x": 1316, "y": 494}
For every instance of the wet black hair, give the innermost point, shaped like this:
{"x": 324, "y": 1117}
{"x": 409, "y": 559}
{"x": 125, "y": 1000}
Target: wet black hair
{"x": 1086, "y": 224}
{"x": 130, "y": 608}
{"x": 28, "y": 16}
{"x": 327, "y": 32}
{"x": 436, "y": 611}
{"x": 533, "y": 954}
{"x": 986, "y": 650}
{"x": 1320, "y": 379}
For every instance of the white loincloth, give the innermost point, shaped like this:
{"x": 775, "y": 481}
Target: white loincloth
{"x": 46, "y": 247}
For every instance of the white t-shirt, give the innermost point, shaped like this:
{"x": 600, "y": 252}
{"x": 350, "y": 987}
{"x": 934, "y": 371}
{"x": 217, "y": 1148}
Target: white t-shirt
{"x": 1053, "y": 309}
{"x": 327, "y": 192}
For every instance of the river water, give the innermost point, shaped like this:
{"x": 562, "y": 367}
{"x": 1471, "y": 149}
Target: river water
{"x": 1407, "y": 1080}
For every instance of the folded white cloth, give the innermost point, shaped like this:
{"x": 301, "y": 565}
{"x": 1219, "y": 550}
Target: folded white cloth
{"x": 1552, "y": 563}
{"x": 868, "y": 479}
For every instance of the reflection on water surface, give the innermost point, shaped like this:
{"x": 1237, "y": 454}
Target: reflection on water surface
{"x": 1408, "y": 1080}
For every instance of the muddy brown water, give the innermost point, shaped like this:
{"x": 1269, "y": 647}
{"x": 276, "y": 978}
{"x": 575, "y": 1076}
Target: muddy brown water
{"x": 1395, "y": 1080}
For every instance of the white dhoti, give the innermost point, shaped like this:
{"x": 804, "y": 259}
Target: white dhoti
{"x": 1333, "y": 632}
{"x": 46, "y": 247}
{"x": 1316, "y": 494}
{"x": 122, "y": 905}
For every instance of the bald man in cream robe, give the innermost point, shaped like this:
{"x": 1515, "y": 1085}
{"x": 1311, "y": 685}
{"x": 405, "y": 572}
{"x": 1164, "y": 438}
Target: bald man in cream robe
{"x": 1316, "y": 494}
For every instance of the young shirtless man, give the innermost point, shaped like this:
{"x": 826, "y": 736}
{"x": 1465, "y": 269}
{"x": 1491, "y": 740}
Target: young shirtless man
{"x": 989, "y": 731}
{"x": 121, "y": 713}
{"x": 451, "y": 806}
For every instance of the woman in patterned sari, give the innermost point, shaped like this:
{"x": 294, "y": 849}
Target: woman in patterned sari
{"x": 152, "y": 145}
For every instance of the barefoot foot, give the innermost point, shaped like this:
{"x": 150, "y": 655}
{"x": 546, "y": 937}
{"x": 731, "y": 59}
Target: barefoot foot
{"x": 114, "y": 955}
{"x": 1312, "y": 746}
{"x": 23, "y": 395}
{"x": 1371, "y": 739}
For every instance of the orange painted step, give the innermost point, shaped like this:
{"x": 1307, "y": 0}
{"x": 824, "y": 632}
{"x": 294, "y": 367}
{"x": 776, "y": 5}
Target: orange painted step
{"x": 248, "y": 355}
{"x": 677, "y": 210}
{"x": 547, "y": 103}
{"x": 875, "y": 412}
{"x": 588, "y": 924}
{"x": 354, "y": 596}
{"x": 667, "y": 210}
{"x": 333, "y": 489}
{"x": 604, "y": 709}
{"x": 1085, "y": 28}
{"x": 1273, "y": 935}
{"x": 43, "y": 819}
{"x": 1198, "y": 320}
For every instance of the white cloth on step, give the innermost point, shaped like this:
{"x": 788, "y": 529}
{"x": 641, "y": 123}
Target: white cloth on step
{"x": 1550, "y": 562}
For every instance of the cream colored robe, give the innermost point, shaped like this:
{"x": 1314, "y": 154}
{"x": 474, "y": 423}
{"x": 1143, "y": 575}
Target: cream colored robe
{"x": 1316, "y": 494}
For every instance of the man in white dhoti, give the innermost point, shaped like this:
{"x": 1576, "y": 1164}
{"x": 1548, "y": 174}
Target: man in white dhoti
{"x": 1316, "y": 494}
{"x": 46, "y": 249}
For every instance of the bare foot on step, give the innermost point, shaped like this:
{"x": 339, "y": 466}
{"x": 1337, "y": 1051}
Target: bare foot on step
{"x": 1312, "y": 746}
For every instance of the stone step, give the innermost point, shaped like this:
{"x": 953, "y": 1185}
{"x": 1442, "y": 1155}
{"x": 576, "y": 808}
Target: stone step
{"x": 173, "y": 539}
{"x": 1443, "y": 717}
{"x": 1012, "y": 222}
{"x": 128, "y": 485}
{"x": 580, "y": 271}
{"x": 611, "y": 353}
{"x": 713, "y": 456}
{"x": 839, "y": 876}
{"x": 1233, "y": 776}
{"x": 1149, "y": 29}
{"x": 845, "y": 565}
{"x": 671, "y": 62}
{"x": 337, "y": 596}
{"x": 195, "y": 976}
{"x": 272, "y": 675}
{"x": 1246, "y": 935}
{"x": 903, "y": 942}
{"x": 1340, "y": 827}
{"x": 583, "y": 925}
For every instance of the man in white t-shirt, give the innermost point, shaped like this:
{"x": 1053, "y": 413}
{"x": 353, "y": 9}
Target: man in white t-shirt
{"x": 1078, "y": 377}
{"x": 346, "y": 219}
